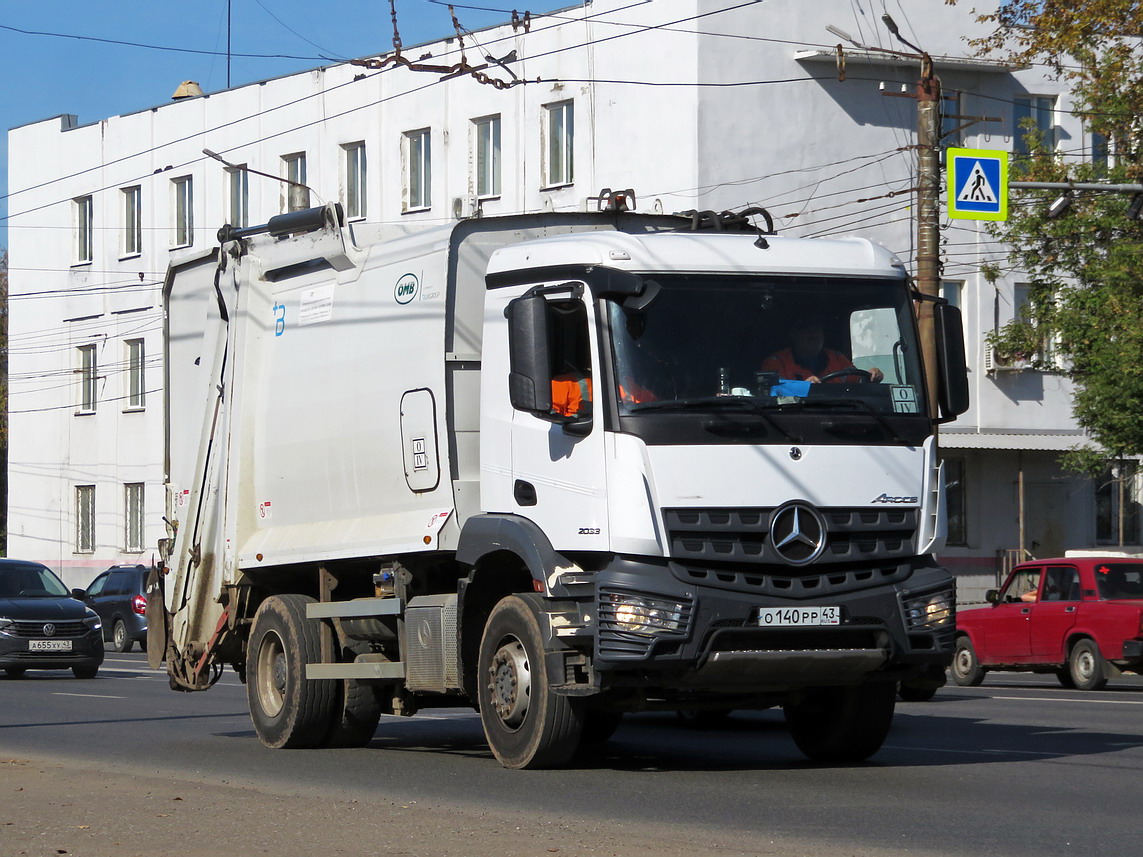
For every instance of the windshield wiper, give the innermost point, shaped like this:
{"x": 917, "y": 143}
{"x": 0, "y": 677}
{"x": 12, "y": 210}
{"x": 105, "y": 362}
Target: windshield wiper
{"x": 745, "y": 404}
{"x": 860, "y": 404}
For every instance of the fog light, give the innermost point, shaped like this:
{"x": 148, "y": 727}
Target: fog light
{"x": 930, "y": 612}
{"x": 640, "y": 615}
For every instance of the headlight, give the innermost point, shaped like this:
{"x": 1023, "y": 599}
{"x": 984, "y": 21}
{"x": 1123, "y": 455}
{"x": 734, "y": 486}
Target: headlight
{"x": 641, "y": 615}
{"x": 5, "y": 624}
{"x": 930, "y": 612}
{"x": 92, "y": 620}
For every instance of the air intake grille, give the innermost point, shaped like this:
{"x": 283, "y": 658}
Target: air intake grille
{"x": 36, "y": 629}
{"x": 742, "y": 535}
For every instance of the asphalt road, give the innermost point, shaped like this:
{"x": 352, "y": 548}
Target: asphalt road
{"x": 1018, "y": 766}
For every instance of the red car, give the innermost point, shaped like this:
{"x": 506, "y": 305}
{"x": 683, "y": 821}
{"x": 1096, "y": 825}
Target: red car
{"x": 1079, "y": 618}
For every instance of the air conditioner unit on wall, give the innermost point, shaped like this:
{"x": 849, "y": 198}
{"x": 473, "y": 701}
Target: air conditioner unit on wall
{"x": 993, "y": 362}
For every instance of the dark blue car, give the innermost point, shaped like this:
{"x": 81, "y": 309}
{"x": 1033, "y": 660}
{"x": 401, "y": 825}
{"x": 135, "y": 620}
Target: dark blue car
{"x": 119, "y": 596}
{"x": 43, "y": 626}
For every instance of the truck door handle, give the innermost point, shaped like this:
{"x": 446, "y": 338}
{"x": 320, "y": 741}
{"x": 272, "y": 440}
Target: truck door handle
{"x": 1069, "y": 609}
{"x": 1025, "y": 610}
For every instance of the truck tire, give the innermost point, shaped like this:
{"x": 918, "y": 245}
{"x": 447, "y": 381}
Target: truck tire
{"x": 1086, "y": 666}
{"x": 360, "y": 712}
{"x": 842, "y": 724}
{"x": 916, "y": 694}
{"x": 527, "y": 726}
{"x": 599, "y": 725}
{"x": 287, "y": 709}
{"x": 966, "y": 669}
{"x": 121, "y": 638}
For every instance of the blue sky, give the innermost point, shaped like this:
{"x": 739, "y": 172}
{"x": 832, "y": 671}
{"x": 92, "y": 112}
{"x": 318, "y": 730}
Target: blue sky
{"x": 100, "y": 58}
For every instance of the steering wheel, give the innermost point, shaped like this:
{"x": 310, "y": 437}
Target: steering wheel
{"x": 852, "y": 370}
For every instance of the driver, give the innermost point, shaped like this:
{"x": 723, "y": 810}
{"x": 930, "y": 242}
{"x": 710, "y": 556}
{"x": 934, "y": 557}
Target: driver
{"x": 807, "y": 358}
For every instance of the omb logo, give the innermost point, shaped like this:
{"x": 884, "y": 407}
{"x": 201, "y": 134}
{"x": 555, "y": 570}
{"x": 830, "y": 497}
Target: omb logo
{"x": 406, "y": 289}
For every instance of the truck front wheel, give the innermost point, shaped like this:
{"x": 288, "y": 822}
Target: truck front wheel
{"x": 287, "y": 709}
{"x": 527, "y": 726}
{"x": 842, "y": 724}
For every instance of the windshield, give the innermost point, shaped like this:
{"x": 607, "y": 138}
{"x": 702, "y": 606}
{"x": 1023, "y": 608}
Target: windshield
{"x": 29, "y": 580}
{"x": 834, "y": 343}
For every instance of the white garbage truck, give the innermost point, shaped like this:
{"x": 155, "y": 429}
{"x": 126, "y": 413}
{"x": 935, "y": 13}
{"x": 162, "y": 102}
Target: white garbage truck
{"x": 553, "y": 467}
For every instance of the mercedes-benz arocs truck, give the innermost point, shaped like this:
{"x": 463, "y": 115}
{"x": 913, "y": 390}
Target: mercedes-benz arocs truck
{"x": 380, "y": 499}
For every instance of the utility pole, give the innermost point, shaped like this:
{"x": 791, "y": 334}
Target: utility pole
{"x": 928, "y": 272}
{"x": 928, "y": 213}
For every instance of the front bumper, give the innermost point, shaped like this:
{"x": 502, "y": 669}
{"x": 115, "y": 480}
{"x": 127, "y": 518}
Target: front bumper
{"x": 704, "y": 635}
{"x": 86, "y": 650}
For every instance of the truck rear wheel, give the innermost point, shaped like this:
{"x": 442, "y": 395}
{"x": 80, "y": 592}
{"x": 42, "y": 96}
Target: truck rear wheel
{"x": 527, "y": 726}
{"x": 360, "y": 713}
{"x": 287, "y": 709}
{"x": 842, "y": 724}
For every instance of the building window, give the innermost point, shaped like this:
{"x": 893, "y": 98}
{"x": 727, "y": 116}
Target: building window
{"x": 1117, "y": 504}
{"x": 418, "y": 174}
{"x": 297, "y": 193}
{"x": 85, "y": 519}
{"x": 136, "y": 390}
{"x": 87, "y": 371}
{"x": 953, "y": 292}
{"x": 560, "y": 129}
{"x": 955, "y": 501}
{"x": 133, "y": 517}
{"x": 1100, "y": 153}
{"x": 1035, "y": 115}
{"x": 132, "y": 221}
{"x": 355, "y": 176}
{"x": 182, "y": 204}
{"x": 84, "y": 237}
{"x": 487, "y": 131}
{"x": 1047, "y": 357}
{"x": 952, "y": 135}
{"x": 238, "y": 197}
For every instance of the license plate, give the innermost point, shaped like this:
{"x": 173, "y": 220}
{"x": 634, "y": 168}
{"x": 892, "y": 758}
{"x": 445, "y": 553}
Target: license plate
{"x": 771, "y": 617}
{"x": 49, "y": 645}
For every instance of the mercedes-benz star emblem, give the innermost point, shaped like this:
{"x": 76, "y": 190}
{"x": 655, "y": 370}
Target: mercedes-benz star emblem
{"x": 795, "y": 453}
{"x": 49, "y": 630}
{"x": 797, "y": 533}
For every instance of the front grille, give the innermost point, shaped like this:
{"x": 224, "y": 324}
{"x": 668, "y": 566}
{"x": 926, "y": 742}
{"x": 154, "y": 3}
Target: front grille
{"x": 742, "y": 535}
{"x": 64, "y": 630}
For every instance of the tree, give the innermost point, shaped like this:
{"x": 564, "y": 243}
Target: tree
{"x": 1084, "y": 267}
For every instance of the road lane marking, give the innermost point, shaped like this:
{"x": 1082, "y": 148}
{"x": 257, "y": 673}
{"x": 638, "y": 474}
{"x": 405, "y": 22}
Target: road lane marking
{"x": 1069, "y": 699}
{"x": 977, "y": 752}
{"x": 86, "y": 695}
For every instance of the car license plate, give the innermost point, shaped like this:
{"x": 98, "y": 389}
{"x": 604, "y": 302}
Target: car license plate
{"x": 49, "y": 645}
{"x": 771, "y": 617}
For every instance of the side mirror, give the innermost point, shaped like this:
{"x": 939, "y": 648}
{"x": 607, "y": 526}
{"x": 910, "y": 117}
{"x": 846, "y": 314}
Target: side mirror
{"x": 952, "y": 383}
{"x": 78, "y": 594}
{"x": 992, "y": 596}
{"x": 529, "y": 379}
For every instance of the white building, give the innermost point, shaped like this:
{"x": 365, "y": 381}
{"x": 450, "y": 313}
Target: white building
{"x": 707, "y": 104}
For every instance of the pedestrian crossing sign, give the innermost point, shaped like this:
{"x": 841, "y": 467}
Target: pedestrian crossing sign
{"x": 978, "y": 184}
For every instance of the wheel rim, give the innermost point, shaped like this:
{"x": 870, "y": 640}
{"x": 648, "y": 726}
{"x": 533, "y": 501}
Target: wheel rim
{"x": 510, "y": 684}
{"x": 1085, "y": 665}
{"x": 271, "y": 683}
{"x": 963, "y": 662}
{"x": 120, "y": 635}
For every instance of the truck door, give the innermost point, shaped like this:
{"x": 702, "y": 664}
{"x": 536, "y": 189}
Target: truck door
{"x": 558, "y": 474}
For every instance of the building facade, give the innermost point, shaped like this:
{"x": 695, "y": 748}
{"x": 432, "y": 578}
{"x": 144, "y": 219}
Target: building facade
{"x": 693, "y": 104}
